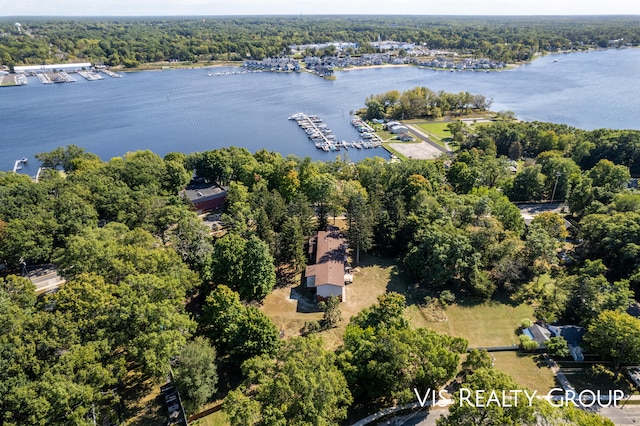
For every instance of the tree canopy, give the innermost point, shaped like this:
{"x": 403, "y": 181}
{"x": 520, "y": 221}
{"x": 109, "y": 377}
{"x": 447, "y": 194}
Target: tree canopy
{"x": 131, "y": 41}
{"x": 301, "y": 385}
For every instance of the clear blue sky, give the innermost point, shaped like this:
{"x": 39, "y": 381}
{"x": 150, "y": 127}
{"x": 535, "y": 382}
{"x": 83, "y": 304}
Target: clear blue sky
{"x": 306, "y": 7}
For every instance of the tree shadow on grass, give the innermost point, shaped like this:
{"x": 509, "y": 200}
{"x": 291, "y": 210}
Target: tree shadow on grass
{"x": 142, "y": 403}
{"x": 286, "y": 277}
{"x": 296, "y": 283}
{"x": 306, "y": 302}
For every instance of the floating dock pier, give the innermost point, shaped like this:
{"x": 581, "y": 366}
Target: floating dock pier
{"x": 324, "y": 139}
{"x": 90, "y": 75}
{"x": 111, "y": 73}
{"x": 18, "y": 164}
{"x": 366, "y": 132}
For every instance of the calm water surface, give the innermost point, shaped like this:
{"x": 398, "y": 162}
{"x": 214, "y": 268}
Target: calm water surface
{"x": 188, "y": 110}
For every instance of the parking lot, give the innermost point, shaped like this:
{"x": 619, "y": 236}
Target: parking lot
{"x": 419, "y": 150}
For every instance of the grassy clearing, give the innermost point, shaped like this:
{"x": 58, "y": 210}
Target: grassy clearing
{"x": 488, "y": 324}
{"x": 218, "y": 418}
{"x": 288, "y": 309}
{"x": 372, "y": 277}
{"x": 480, "y": 124}
{"x": 526, "y": 370}
{"x": 438, "y": 129}
{"x": 385, "y": 135}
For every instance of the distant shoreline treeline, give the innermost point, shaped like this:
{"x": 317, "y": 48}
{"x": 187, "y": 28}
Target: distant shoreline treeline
{"x": 132, "y": 41}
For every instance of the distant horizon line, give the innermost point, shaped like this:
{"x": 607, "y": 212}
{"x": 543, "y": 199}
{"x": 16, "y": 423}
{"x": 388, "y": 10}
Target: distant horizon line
{"x": 578, "y": 15}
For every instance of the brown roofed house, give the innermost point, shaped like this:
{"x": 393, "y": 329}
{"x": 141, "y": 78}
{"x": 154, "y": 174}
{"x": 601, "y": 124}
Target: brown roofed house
{"x": 327, "y": 276}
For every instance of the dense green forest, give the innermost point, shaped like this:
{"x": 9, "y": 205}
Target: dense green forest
{"x": 132, "y": 41}
{"x": 136, "y": 258}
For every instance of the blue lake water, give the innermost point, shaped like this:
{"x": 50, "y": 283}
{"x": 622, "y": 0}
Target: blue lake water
{"x": 188, "y": 110}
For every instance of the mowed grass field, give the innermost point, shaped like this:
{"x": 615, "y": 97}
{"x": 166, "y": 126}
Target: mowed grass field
{"x": 436, "y": 128}
{"x": 485, "y": 324}
{"x": 219, "y": 418}
{"x": 526, "y": 370}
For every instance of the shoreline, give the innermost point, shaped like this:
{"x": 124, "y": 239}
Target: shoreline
{"x": 368, "y": 67}
{"x": 159, "y": 66}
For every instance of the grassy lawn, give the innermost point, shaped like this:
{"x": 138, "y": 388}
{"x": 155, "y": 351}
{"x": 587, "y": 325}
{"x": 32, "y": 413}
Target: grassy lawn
{"x": 372, "y": 278}
{"x": 385, "y": 135}
{"x": 480, "y": 124}
{"x": 219, "y": 418}
{"x": 436, "y": 128}
{"x": 288, "y": 309}
{"x": 487, "y": 324}
{"x": 526, "y": 370}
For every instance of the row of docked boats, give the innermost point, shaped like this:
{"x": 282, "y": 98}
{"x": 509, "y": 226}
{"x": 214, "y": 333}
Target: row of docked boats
{"x": 50, "y": 77}
{"x": 55, "y": 77}
{"x": 316, "y": 129}
{"x": 90, "y": 75}
{"x": 324, "y": 139}
{"x": 366, "y": 131}
{"x": 218, "y": 74}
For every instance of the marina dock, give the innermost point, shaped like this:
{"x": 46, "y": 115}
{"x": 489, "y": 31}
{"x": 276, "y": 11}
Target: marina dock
{"x": 324, "y": 139}
{"x": 44, "y": 78}
{"x": 244, "y": 71}
{"x": 49, "y": 75}
{"x": 18, "y": 164}
{"x": 90, "y": 75}
{"x": 65, "y": 78}
{"x": 110, "y": 73}
{"x": 366, "y": 131}
{"x": 7, "y": 80}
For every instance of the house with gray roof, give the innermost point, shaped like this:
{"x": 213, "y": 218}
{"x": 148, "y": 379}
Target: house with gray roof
{"x": 572, "y": 334}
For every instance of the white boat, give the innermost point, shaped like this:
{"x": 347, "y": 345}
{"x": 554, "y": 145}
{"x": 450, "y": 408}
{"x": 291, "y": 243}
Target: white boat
{"x": 24, "y": 160}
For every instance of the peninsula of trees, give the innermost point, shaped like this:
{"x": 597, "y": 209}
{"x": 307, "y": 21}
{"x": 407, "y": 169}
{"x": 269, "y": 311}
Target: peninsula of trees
{"x": 130, "y": 42}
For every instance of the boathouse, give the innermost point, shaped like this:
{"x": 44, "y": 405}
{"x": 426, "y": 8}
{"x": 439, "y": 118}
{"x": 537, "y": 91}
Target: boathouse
{"x": 327, "y": 276}
{"x": 50, "y": 67}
